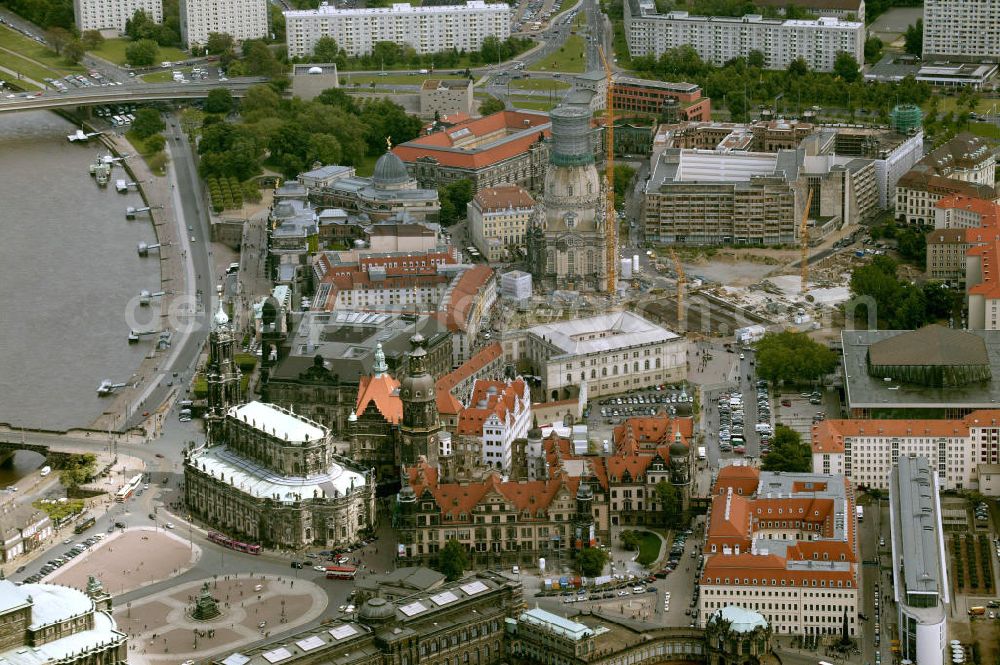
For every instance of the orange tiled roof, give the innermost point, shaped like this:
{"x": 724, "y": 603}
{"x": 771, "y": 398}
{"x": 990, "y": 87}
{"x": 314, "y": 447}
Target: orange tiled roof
{"x": 445, "y": 147}
{"x": 463, "y": 296}
{"x": 503, "y": 198}
{"x": 448, "y": 403}
{"x": 988, "y": 211}
{"x": 989, "y": 256}
{"x": 650, "y": 432}
{"x": 742, "y": 478}
{"x": 383, "y": 392}
{"x": 501, "y": 403}
{"x": 828, "y": 435}
{"x": 767, "y": 567}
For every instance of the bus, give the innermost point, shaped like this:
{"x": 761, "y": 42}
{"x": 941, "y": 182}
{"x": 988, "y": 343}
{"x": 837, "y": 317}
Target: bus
{"x": 232, "y": 544}
{"x": 128, "y": 489}
{"x": 861, "y": 513}
{"x": 85, "y": 523}
{"x": 341, "y": 572}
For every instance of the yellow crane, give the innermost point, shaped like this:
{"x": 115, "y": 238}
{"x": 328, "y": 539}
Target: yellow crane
{"x": 681, "y": 283}
{"x": 611, "y": 219}
{"x": 804, "y": 239}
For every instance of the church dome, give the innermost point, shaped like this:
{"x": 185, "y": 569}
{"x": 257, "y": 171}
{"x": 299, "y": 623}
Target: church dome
{"x": 389, "y": 170}
{"x": 678, "y": 450}
{"x": 221, "y": 318}
{"x": 376, "y": 611}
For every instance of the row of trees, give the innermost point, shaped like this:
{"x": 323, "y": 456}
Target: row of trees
{"x": 454, "y": 197}
{"x": 452, "y": 561}
{"x": 168, "y": 33}
{"x": 392, "y": 54}
{"x": 788, "y": 452}
{"x": 899, "y": 304}
{"x": 291, "y": 134}
{"x": 743, "y": 82}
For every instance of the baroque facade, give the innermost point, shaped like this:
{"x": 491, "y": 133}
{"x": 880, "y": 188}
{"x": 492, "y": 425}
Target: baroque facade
{"x": 566, "y": 239}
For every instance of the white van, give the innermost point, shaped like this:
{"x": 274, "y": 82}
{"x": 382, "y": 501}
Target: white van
{"x": 184, "y": 416}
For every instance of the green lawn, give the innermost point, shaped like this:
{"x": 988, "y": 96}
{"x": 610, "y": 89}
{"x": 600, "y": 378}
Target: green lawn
{"x": 355, "y": 80}
{"x": 569, "y": 58}
{"x": 20, "y": 84}
{"x": 29, "y": 48}
{"x": 948, "y": 103}
{"x": 566, "y": 4}
{"x": 539, "y": 84}
{"x": 57, "y": 511}
{"x": 114, "y": 50}
{"x": 26, "y": 67}
{"x": 532, "y": 103}
{"x": 987, "y": 129}
{"x": 156, "y": 161}
{"x": 649, "y": 548}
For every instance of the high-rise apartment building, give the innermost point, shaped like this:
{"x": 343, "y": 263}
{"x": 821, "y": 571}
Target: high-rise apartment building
{"x": 962, "y": 29}
{"x": 426, "y": 29}
{"x": 112, "y": 14}
{"x": 243, "y": 19}
{"x": 718, "y": 39}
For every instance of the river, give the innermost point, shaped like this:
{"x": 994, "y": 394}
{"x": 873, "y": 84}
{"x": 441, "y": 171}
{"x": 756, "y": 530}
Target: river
{"x": 68, "y": 271}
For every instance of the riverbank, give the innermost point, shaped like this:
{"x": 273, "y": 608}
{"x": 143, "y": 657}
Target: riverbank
{"x": 155, "y": 191}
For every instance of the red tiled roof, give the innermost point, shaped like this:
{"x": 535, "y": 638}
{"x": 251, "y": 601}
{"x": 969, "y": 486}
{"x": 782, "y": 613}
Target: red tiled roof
{"x": 648, "y": 433}
{"x": 828, "y": 435}
{"x": 463, "y": 296}
{"x": 989, "y": 256}
{"x": 501, "y": 402}
{"x": 447, "y": 403}
{"x": 742, "y": 478}
{"x": 503, "y": 198}
{"x": 445, "y": 146}
{"x": 382, "y": 391}
{"x": 988, "y": 211}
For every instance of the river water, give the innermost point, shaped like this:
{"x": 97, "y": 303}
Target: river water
{"x": 68, "y": 271}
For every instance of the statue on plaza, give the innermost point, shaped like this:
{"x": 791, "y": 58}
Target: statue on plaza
{"x": 205, "y": 606}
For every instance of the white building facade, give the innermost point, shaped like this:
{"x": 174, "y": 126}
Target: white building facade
{"x": 718, "y": 39}
{"x": 606, "y": 354}
{"x": 865, "y": 450}
{"x": 112, "y": 14}
{"x": 426, "y": 29}
{"x": 515, "y": 284}
{"x": 962, "y": 29}
{"x": 243, "y": 19}
{"x": 499, "y": 413}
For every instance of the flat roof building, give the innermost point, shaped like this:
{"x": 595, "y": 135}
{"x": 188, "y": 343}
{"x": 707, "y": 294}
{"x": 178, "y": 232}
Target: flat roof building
{"x": 112, "y": 14}
{"x": 427, "y": 29}
{"x": 241, "y": 19}
{"x": 919, "y": 574}
{"x": 962, "y": 30}
{"x": 718, "y": 39}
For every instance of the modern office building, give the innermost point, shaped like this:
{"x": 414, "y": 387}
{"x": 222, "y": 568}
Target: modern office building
{"x": 660, "y": 99}
{"x": 938, "y": 371}
{"x": 919, "y": 571}
{"x": 785, "y": 545}
{"x": 427, "y": 29}
{"x": 962, "y": 30}
{"x": 606, "y": 354}
{"x": 498, "y": 221}
{"x": 242, "y": 19}
{"x": 112, "y": 14}
{"x": 718, "y": 39}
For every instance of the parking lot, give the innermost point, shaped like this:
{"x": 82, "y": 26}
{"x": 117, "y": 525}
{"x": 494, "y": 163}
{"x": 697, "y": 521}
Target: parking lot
{"x": 676, "y": 400}
{"x": 801, "y": 410}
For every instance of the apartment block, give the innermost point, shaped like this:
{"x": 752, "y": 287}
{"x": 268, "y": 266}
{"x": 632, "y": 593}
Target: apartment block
{"x": 243, "y": 19}
{"x": 849, "y": 10}
{"x": 426, "y": 29}
{"x": 112, "y": 14}
{"x": 718, "y": 39}
{"x": 962, "y": 29}
{"x": 498, "y": 220}
{"x": 962, "y": 212}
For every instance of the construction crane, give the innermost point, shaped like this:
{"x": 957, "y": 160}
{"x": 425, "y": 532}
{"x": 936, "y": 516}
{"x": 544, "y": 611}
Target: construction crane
{"x": 611, "y": 219}
{"x": 804, "y": 239}
{"x": 681, "y": 283}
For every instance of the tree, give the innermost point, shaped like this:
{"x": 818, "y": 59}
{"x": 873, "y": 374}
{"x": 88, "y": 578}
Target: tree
{"x": 791, "y": 356}
{"x": 873, "y": 49}
{"x": 452, "y": 560}
{"x": 788, "y": 452}
{"x": 630, "y": 539}
{"x": 142, "y": 53}
{"x": 326, "y": 49}
{"x": 147, "y": 122}
{"x": 77, "y": 470}
{"x": 457, "y": 194}
{"x": 756, "y": 59}
{"x": 623, "y": 179}
{"x": 91, "y": 39}
{"x": 219, "y": 100}
{"x": 798, "y": 67}
{"x": 220, "y": 43}
{"x": 878, "y": 281}
{"x": 259, "y": 60}
{"x": 590, "y": 561}
{"x": 58, "y": 38}
{"x": 846, "y": 67}
{"x": 73, "y": 51}
{"x": 155, "y": 143}
{"x": 141, "y": 26}
{"x": 491, "y": 105}
{"x": 337, "y": 97}
{"x": 669, "y": 498}
{"x": 914, "y": 38}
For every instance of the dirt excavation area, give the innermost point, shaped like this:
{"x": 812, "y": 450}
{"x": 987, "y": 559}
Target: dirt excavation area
{"x": 741, "y": 266}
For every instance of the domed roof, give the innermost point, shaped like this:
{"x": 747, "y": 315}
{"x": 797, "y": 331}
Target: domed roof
{"x": 221, "y": 318}
{"x": 741, "y": 620}
{"x": 315, "y": 70}
{"x": 376, "y": 610}
{"x": 678, "y": 450}
{"x": 389, "y": 170}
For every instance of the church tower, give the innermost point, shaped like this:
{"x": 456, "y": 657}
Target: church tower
{"x": 221, "y": 373}
{"x": 418, "y": 431}
{"x": 567, "y": 236}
